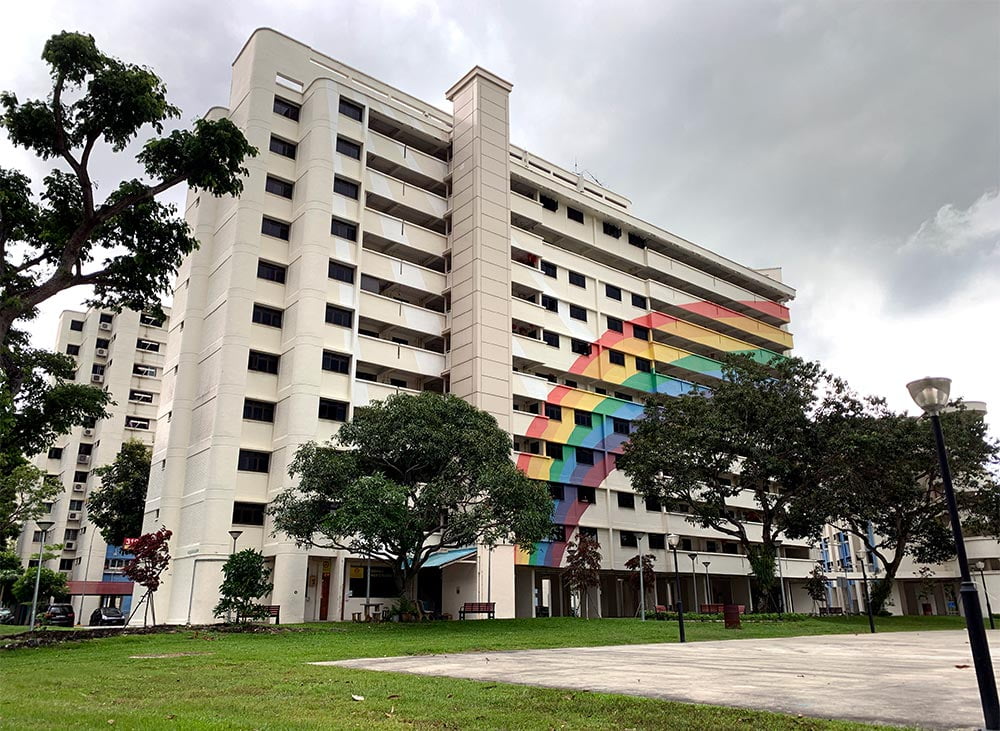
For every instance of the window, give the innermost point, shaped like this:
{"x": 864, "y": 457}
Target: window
{"x": 581, "y": 347}
{"x": 72, "y": 350}
{"x": 80, "y": 476}
{"x": 55, "y": 452}
{"x": 107, "y": 317}
{"x": 613, "y": 292}
{"x": 351, "y": 109}
{"x": 97, "y": 369}
{"x": 76, "y": 504}
{"x": 377, "y": 580}
{"x": 86, "y": 449}
{"x": 570, "y": 382}
{"x": 626, "y": 500}
{"x": 151, "y": 320}
{"x": 346, "y": 147}
{"x": 341, "y": 272}
{"x": 611, "y": 230}
{"x": 577, "y": 279}
{"x": 143, "y": 397}
{"x": 586, "y": 495}
{"x": 641, "y": 364}
{"x": 258, "y": 410}
{"x": 248, "y": 513}
{"x": 332, "y": 410}
{"x": 583, "y": 418}
{"x": 577, "y": 313}
{"x": 638, "y": 301}
{"x": 339, "y": 316}
{"x": 362, "y": 376}
{"x": 615, "y": 324}
{"x": 398, "y": 382}
{"x": 713, "y": 547}
{"x": 344, "y": 229}
{"x": 556, "y": 491}
{"x": 263, "y": 362}
{"x": 102, "y": 343}
{"x": 76, "y": 325}
{"x": 149, "y": 345}
{"x": 336, "y": 362}
{"x": 71, "y": 534}
{"x": 65, "y": 564}
{"x": 346, "y": 187}
{"x": 553, "y": 450}
{"x": 277, "y": 229}
{"x": 550, "y": 303}
{"x": 279, "y": 187}
{"x": 657, "y": 541}
{"x": 584, "y": 456}
{"x": 134, "y": 422}
{"x": 146, "y": 371}
{"x": 620, "y": 426}
{"x": 267, "y": 316}
{"x": 636, "y": 240}
{"x": 623, "y": 396}
{"x": 574, "y": 215}
{"x": 251, "y": 461}
{"x": 588, "y": 531}
{"x": 553, "y": 411}
{"x": 550, "y": 338}
{"x": 282, "y": 147}
{"x": 286, "y": 108}
{"x": 628, "y": 539}
{"x": 653, "y": 505}
{"x": 640, "y": 332}
{"x": 558, "y": 534}
{"x": 270, "y": 272}
{"x": 549, "y": 204}
{"x": 549, "y": 269}
{"x": 616, "y": 358}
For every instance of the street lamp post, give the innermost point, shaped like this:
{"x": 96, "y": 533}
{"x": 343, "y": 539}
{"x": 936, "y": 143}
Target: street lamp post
{"x": 989, "y": 610}
{"x": 672, "y": 540}
{"x": 642, "y": 585}
{"x": 781, "y": 576}
{"x": 45, "y": 525}
{"x": 234, "y": 534}
{"x": 860, "y": 558}
{"x": 694, "y": 578}
{"x": 931, "y": 395}
{"x": 708, "y": 584}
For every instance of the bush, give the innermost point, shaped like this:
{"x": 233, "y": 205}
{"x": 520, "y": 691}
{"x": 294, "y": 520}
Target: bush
{"x": 718, "y": 617}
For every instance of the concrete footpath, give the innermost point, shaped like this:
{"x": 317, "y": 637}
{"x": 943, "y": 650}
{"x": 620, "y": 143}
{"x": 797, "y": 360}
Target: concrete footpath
{"x": 921, "y": 679}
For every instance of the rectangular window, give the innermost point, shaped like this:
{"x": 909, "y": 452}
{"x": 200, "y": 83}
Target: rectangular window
{"x": 626, "y": 500}
{"x": 97, "y": 369}
{"x": 362, "y": 376}
{"x": 102, "y": 343}
{"x": 657, "y": 541}
{"x": 653, "y": 505}
{"x": 641, "y": 364}
{"x": 581, "y": 347}
{"x": 556, "y": 491}
{"x": 332, "y": 410}
{"x": 577, "y": 313}
{"x": 263, "y": 362}
{"x": 640, "y": 333}
{"x": 613, "y": 292}
{"x": 611, "y": 230}
{"x": 588, "y": 531}
{"x": 558, "y": 533}
{"x": 258, "y": 410}
{"x": 570, "y": 382}
{"x": 586, "y": 495}
{"x": 107, "y": 317}
{"x": 553, "y": 411}
{"x": 282, "y": 147}
{"x": 374, "y": 580}
{"x": 148, "y": 345}
{"x": 549, "y": 204}
{"x": 143, "y": 397}
{"x": 79, "y": 476}
{"x": 549, "y": 269}
{"x": 636, "y": 240}
{"x": 76, "y": 325}
{"x": 615, "y": 324}
{"x": 398, "y": 382}
{"x": 248, "y": 513}
{"x": 86, "y": 449}
{"x": 346, "y": 147}
{"x": 72, "y": 349}
{"x": 351, "y": 109}
{"x": 339, "y": 316}
{"x": 270, "y": 272}
{"x": 277, "y": 229}
{"x": 574, "y": 215}
{"x": 340, "y": 272}
{"x": 628, "y": 539}
{"x": 623, "y": 396}
{"x": 279, "y": 187}
{"x": 134, "y": 422}
{"x": 286, "y": 108}
{"x": 584, "y": 456}
{"x": 76, "y": 504}
{"x": 550, "y": 338}
{"x": 71, "y": 534}
{"x": 267, "y": 316}
{"x": 346, "y": 187}
{"x": 252, "y": 461}
{"x": 146, "y": 371}
{"x": 55, "y": 452}
{"x": 553, "y": 450}
{"x": 583, "y": 418}
{"x": 577, "y": 279}
{"x": 616, "y": 358}
{"x": 638, "y": 301}
{"x": 620, "y": 426}
{"x": 344, "y": 229}
{"x": 550, "y": 303}
{"x": 150, "y": 320}
{"x": 336, "y": 362}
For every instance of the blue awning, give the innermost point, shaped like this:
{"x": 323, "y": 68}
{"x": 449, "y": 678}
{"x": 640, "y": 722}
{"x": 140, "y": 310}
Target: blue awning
{"x": 443, "y": 558}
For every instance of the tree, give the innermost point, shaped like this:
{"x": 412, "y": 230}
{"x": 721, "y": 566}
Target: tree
{"x": 583, "y": 568}
{"x": 52, "y": 585}
{"x": 759, "y": 432}
{"x": 151, "y": 557}
{"x": 118, "y": 507}
{"x": 24, "y": 492}
{"x": 246, "y": 581}
{"x": 648, "y": 575}
{"x": 10, "y": 570}
{"x": 409, "y": 477}
{"x": 816, "y": 585}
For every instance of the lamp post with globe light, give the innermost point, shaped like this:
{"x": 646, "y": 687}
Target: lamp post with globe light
{"x": 673, "y": 540}
{"x": 44, "y": 525}
{"x": 931, "y": 395}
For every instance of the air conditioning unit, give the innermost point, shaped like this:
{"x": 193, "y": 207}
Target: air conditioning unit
{"x": 83, "y": 459}
{"x": 79, "y": 487}
{"x": 105, "y": 326}
{"x": 88, "y": 432}
{"x": 101, "y": 352}
{"x": 69, "y": 546}
{"x": 97, "y": 378}
{"x": 73, "y": 516}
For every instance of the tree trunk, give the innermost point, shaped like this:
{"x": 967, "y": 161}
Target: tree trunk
{"x": 762, "y": 564}
{"x": 882, "y": 588}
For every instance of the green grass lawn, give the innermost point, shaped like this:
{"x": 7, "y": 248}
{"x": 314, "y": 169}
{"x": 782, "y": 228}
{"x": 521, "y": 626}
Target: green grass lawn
{"x": 221, "y": 681}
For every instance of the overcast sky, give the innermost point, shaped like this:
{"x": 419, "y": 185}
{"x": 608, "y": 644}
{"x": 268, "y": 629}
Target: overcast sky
{"x": 854, "y": 144}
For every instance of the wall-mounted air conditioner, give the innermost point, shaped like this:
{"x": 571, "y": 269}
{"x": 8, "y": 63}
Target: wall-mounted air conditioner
{"x": 73, "y": 515}
{"x": 83, "y": 459}
{"x": 97, "y": 378}
{"x": 101, "y": 352}
{"x": 88, "y": 432}
{"x": 79, "y": 487}
{"x": 105, "y": 326}
{"x": 69, "y": 546}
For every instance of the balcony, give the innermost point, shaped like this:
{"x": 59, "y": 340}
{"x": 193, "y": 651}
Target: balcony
{"x": 406, "y": 163}
{"x": 396, "y": 230}
{"x": 400, "y": 357}
{"x": 392, "y": 269}
{"x": 413, "y": 317}
{"x": 398, "y": 198}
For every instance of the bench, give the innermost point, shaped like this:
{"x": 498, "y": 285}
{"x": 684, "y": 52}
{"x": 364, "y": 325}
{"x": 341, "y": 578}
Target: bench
{"x": 661, "y": 608}
{"x": 827, "y": 611}
{"x": 273, "y": 610}
{"x": 487, "y": 608}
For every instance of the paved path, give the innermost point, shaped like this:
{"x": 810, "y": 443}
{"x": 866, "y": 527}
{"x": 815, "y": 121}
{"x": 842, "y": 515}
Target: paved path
{"x": 907, "y": 678}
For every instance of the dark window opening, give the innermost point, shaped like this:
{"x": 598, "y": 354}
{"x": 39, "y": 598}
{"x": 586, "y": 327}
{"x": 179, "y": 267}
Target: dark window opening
{"x": 332, "y": 410}
{"x": 577, "y": 279}
{"x": 341, "y": 272}
{"x": 270, "y": 272}
{"x": 346, "y": 187}
{"x": 344, "y": 229}
{"x": 553, "y": 450}
{"x": 550, "y": 303}
{"x": 248, "y": 513}
{"x": 282, "y": 147}
{"x": 639, "y": 332}
{"x": 258, "y": 410}
{"x": 336, "y": 362}
{"x": 549, "y": 204}
{"x": 574, "y": 215}
{"x": 351, "y": 109}
{"x": 550, "y": 338}
{"x": 641, "y": 364}
{"x": 556, "y": 491}
{"x": 616, "y": 358}
{"x": 581, "y": 347}
{"x": 586, "y": 494}
{"x": 251, "y": 461}
{"x": 626, "y": 500}
{"x": 611, "y": 230}
{"x": 584, "y": 456}
{"x": 277, "y": 229}
{"x": 620, "y": 426}
{"x": 638, "y": 301}
{"x": 653, "y": 505}
{"x": 628, "y": 539}
{"x": 583, "y": 418}
{"x": 657, "y": 541}
{"x": 553, "y": 411}
{"x": 549, "y": 269}
{"x": 263, "y": 362}
{"x": 267, "y": 316}
{"x": 613, "y": 292}
{"x": 76, "y": 325}
{"x": 577, "y": 313}
{"x": 346, "y": 147}
{"x": 279, "y": 187}
{"x": 286, "y": 108}
{"x": 636, "y": 240}
{"x": 339, "y": 316}
{"x": 72, "y": 349}
{"x": 615, "y": 324}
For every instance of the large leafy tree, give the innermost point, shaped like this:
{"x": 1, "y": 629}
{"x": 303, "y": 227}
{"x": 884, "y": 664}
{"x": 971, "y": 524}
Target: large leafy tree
{"x": 408, "y": 477}
{"x": 24, "y": 492}
{"x": 51, "y": 585}
{"x": 760, "y": 432}
{"x": 118, "y": 507}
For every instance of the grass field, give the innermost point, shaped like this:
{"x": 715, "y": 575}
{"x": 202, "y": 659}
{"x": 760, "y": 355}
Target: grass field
{"x": 198, "y": 679}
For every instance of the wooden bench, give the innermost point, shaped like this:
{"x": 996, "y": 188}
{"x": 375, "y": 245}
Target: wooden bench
{"x": 661, "y": 608}
{"x": 273, "y": 610}
{"x": 487, "y": 608}
{"x": 827, "y": 611}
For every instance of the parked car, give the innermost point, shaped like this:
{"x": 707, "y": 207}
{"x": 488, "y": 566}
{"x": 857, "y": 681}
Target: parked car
{"x": 60, "y": 615}
{"x": 107, "y": 617}
{"x": 6, "y": 615}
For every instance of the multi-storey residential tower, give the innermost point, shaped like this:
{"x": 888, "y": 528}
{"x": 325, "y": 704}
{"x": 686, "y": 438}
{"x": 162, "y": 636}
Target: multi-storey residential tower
{"x": 122, "y": 353}
{"x": 382, "y": 245}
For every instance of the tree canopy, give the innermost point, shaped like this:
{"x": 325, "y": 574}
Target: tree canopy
{"x": 24, "y": 492}
{"x": 409, "y": 477}
{"x": 117, "y": 508}
{"x": 245, "y": 580}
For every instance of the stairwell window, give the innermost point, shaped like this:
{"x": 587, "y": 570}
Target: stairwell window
{"x": 331, "y": 410}
{"x": 351, "y": 109}
{"x": 268, "y": 316}
{"x": 277, "y": 229}
{"x": 258, "y": 410}
{"x": 248, "y": 513}
{"x": 341, "y": 272}
{"x": 286, "y": 108}
{"x": 339, "y": 316}
{"x": 349, "y": 148}
{"x": 346, "y": 187}
{"x": 574, "y": 215}
{"x": 282, "y": 147}
{"x": 277, "y": 186}
{"x": 263, "y": 362}
{"x": 252, "y": 461}
{"x": 336, "y": 362}
{"x": 271, "y": 272}
{"x": 344, "y": 229}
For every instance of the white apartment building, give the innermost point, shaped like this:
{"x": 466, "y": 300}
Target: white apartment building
{"x": 122, "y": 353}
